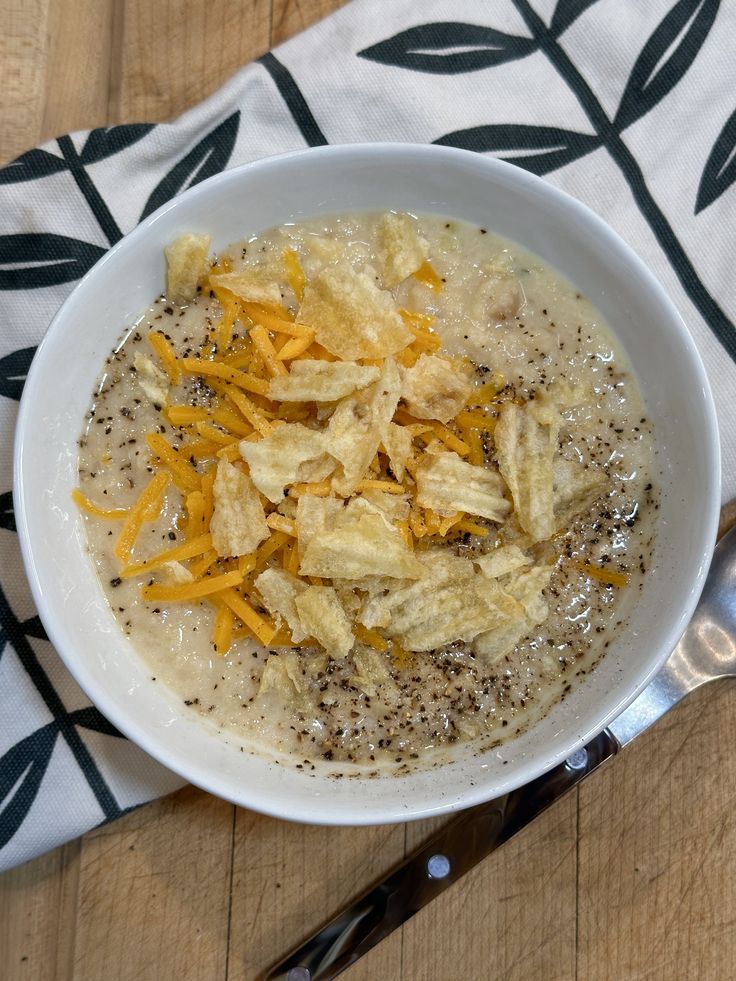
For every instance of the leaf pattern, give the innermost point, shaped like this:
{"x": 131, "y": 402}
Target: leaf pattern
{"x": 31, "y": 166}
{"x": 21, "y": 771}
{"x": 208, "y": 157}
{"x": 566, "y": 12}
{"x": 92, "y": 718}
{"x": 554, "y": 147}
{"x": 24, "y": 764}
{"x": 13, "y": 370}
{"x": 104, "y": 142}
{"x": 32, "y": 627}
{"x": 720, "y": 167}
{"x": 295, "y": 101}
{"x": 448, "y": 48}
{"x": 7, "y": 514}
{"x": 31, "y": 260}
{"x": 665, "y": 58}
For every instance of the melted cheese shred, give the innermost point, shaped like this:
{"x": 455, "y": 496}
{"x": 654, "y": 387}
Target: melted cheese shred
{"x": 83, "y": 502}
{"x": 146, "y": 508}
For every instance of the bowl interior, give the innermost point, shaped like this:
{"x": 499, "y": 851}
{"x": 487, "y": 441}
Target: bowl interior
{"x": 277, "y": 190}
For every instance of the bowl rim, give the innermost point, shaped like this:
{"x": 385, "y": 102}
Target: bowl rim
{"x": 319, "y": 813}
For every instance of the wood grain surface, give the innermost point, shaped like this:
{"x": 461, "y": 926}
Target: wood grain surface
{"x": 631, "y": 878}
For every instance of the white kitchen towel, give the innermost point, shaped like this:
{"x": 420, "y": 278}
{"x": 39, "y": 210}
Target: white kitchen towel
{"x": 631, "y": 107}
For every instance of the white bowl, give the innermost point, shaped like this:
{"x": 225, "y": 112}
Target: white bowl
{"x": 270, "y": 192}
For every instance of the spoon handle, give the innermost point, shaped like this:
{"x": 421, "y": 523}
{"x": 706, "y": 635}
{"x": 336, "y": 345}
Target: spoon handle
{"x": 440, "y": 862}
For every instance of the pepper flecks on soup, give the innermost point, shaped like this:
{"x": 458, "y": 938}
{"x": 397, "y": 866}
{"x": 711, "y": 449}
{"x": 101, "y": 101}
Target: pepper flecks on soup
{"x": 363, "y": 487}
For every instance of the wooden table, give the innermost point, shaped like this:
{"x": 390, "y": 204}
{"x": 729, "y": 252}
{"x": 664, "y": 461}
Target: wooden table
{"x": 631, "y": 877}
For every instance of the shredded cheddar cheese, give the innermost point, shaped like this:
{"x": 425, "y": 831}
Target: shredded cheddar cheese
{"x": 166, "y": 355}
{"x": 296, "y": 346}
{"x": 181, "y": 592}
{"x": 295, "y": 273}
{"x": 198, "y": 569}
{"x": 215, "y": 369}
{"x": 112, "y": 514}
{"x": 426, "y": 274}
{"x": 222, "y": 629}
{"x": 188, "y": 550}
{"x": 185, "y": 415}
{"x": 370, "y": 637}
{"x": 261, "y": 628}
{"x": 145, "y": 509}
{"x": 182, "y": 471}
{"x": 264, "y": 344}
{"x": 279, "y": 523}
{"x": 609, "y": 577}
{"x": 256, "y": 418}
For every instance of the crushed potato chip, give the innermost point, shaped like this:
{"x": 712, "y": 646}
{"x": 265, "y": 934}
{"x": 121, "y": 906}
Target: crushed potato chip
{"x": 434, "y": 388}
{"x": 359, "y": 424}
{"x": 288, "y": 507}
{"x": 325, "y": 250}
{"x": 251, "y": 285}
{"x": 289, "y": 454}
{"x": 238, "y": 522}
{"x": 397, "y": 443}
{"x": 350, "y": 600}
{"x": 323, "y": 617}
{"x": 279, "y": 590}
{"x": 527, "y": 589}
{"x": 362, "y": 542}
{"x": 447, "y": 484}
{"x": 352, "y": 318}
{"x": 526, "y": 446}
{"x": 453, "y": 602}
{"x": 371, "y": 671}
{"x": 396, "y": 507}
{"x": 401, "y": 249}
{"x": 281, "y": 675}
{"x": 152, "y": 381}
{"x": 321, "y": 381}
{"x": 576, "y": 487}
{"x": 187, "y": 263}
{"x": 501, "y": 561}
{"x": 314, "y": 515}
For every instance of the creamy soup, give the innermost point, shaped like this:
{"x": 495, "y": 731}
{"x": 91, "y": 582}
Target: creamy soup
{"x": 362, "y": 487}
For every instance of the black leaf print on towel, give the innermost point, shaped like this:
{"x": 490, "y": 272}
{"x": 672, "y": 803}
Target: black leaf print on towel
{"x": 295, "y": 101}
{"x": 208, "y": 157}
{"x": 92, "y": 718}
{"x": 31, "y": 260}
{"x": 715, "y": 317}
{"x": 566, "y": 12}
{"x": 679, "y": 36}
{"x": 13, "y": 632}
{"x": 7, "y": 514}
{"x": 449, "y": 48}
{"x": 21, "y": 772}
{"x": 720, "y": 168}
{"x": 109, "y": 140}
{"x": 32, "y": 627}
{"x": 556, "y": 147}
{"x": 97, "y": 204}
{"x": 13, "y": 370}
{"x": 30, "y": 166}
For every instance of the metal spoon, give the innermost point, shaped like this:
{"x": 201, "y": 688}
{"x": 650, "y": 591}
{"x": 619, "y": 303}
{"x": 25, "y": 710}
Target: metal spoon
{"x": 706, "y": 652}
